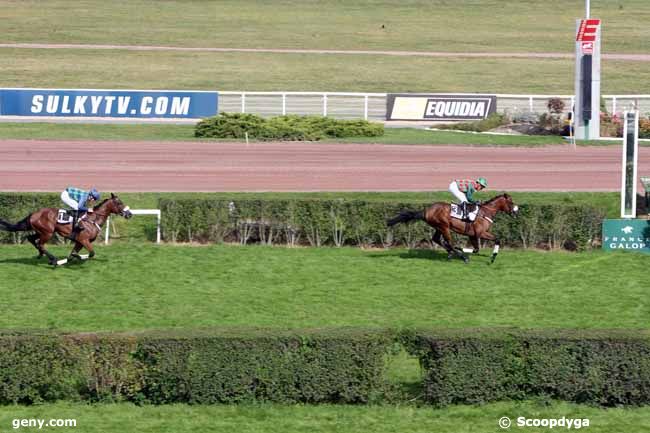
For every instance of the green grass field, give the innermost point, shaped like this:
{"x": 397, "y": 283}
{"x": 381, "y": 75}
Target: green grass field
{"x": 166, "y": 132}
{"x": 171, "y": 286}
{"x": 116, "y": 418}
{"x": 519, "y": 26}
{"x": 463, "y": 25}
{"x": 102, "y": 69}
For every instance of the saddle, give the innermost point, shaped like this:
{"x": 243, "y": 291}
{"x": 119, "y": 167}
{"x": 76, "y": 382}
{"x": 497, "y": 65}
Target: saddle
{"x": 64, "y": 217}
{"x": 457, "y": 212}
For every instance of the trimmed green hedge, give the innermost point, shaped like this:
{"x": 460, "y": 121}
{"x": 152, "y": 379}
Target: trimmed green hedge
{"x": 607, "y": 368}
{"x": 285, "y": 128}
{"x": 332, "y": 222}
{"x": 222, "y": 366}
{"x": 603, "y": 367}
{"x": 356, "y": 222}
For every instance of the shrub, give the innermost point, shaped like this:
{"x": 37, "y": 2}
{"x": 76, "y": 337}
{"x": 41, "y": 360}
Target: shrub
{"x": 493, "y": 121}
{"x": 286, "y": 128}
{"x": 476, "y": 366}
{"x": 552, "y": 123}
{"x": 206, "y": 366}
{"x": 357, "y": 222}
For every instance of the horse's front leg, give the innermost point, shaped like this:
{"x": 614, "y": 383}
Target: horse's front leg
{"x": 475, "y": 244}
{"x": 88, "y": 246}
{"x": 74, "y": 254}
{"x": 497, "y": 244}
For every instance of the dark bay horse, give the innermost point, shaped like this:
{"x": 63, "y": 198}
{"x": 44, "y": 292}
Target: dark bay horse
{"x": 438, "y": 216}
{"x": 44, "y": 224}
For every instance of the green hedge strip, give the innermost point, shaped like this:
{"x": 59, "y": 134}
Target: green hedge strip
{"x": 357, "y": 222}
{"x": 606, "y": 368}
{"x": 337, "y": 366}
{"x": 285, "y": 128}
{"x": 334, "y": 222}
{"x": 602, "y": 367}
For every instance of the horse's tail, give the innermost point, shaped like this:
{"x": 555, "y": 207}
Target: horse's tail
{"x": 406, "y": 216}
{"x": 21, "y": 226}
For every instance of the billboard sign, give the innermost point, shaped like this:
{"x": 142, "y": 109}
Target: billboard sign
{"x": 627, "y": 235}
{"x": 108, "y": 103}
{"x": 439, "y": 107}
{"x": 588, "y": 30}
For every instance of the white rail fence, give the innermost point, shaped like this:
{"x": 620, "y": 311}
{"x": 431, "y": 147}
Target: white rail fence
{"x": 372, "y": 106}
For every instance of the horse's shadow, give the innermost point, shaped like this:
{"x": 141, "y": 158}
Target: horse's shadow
{"x": 418, "y": 254}
{"x": 412, "y": 254}
{"x": 73, "y": 264}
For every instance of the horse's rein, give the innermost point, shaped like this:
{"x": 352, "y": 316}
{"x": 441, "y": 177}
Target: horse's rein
{"x": 486, "y": 217}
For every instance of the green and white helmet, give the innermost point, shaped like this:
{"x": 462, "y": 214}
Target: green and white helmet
{"x": 482, "y": 181}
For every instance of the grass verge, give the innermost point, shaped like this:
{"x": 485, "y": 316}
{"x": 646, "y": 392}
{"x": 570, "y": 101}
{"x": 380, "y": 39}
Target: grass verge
{"x": 96, "y": 69}
{"x": 162, "y": 132}
{"x": 107, "y": 418}
{"x": 170, "y": 286}
{"x": 519, "y": 25}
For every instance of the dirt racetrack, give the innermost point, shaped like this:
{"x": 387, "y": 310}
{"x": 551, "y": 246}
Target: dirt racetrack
{"x": 32, "y": 165}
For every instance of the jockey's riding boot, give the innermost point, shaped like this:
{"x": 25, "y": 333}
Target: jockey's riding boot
{"x": 79, "y": 227}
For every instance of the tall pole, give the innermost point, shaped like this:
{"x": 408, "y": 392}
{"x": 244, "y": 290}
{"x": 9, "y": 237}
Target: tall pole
{"x": 587, "y": 8}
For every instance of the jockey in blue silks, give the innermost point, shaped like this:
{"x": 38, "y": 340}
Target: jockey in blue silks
{"x": 80, "y": 201}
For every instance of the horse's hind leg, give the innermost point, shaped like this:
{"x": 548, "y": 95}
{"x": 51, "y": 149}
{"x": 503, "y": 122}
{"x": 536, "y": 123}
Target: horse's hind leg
{"x": 437, "y": 238}
{"x": 42, "y": 240}
{"x": 33, "y": 239}
{"x": 450, "y": 246}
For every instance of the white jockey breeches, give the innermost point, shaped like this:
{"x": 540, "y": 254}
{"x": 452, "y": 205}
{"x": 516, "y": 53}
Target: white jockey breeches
{"x": 453, "y": 188}
{"x": 69, "y": 201}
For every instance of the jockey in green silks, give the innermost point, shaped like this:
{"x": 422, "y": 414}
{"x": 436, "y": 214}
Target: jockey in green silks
{"x": 464, "y": 189}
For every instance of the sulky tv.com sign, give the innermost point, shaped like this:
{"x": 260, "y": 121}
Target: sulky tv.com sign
{"x": 440, "y": 107}
{"x": 108, "y": 103}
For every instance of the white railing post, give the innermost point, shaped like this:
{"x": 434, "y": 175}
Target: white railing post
{"x": 324, "y": 104}
{"x": 243, "y": 102}
{"x": 284, "y": 104}
{"x": 365, "y": 107}
{"x": 530, "y": 104}
{"x": 614, "y": 105}
{"x": 108, "y": 230}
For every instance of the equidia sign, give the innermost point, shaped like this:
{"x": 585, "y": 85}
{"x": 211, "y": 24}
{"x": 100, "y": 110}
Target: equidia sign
{"x": 440, "y": 107}
{"x": 107, "y": 103}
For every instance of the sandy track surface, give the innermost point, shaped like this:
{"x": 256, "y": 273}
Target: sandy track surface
{"x": 612, "y": 56}
{"x": 33, "y": 165}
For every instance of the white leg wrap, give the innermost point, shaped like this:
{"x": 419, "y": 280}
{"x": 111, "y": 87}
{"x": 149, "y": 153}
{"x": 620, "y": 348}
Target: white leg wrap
{"x": 496, "y": 249}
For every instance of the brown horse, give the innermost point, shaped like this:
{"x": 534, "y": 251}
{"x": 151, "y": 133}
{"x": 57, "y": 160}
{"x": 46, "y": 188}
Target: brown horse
{"x": 438, "y": 216}
{"x": 44, "y": 224}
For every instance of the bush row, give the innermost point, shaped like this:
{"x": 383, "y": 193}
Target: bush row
{"x": 597, "y": 367}
{"x": 335, "y": 366}
{"x": 333, "y": 222}
{"x": 363, "y": 223}
{"x": 492, "y": 121}
{"x": 338, "y": 366}
{"x": 286, "y": 128}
